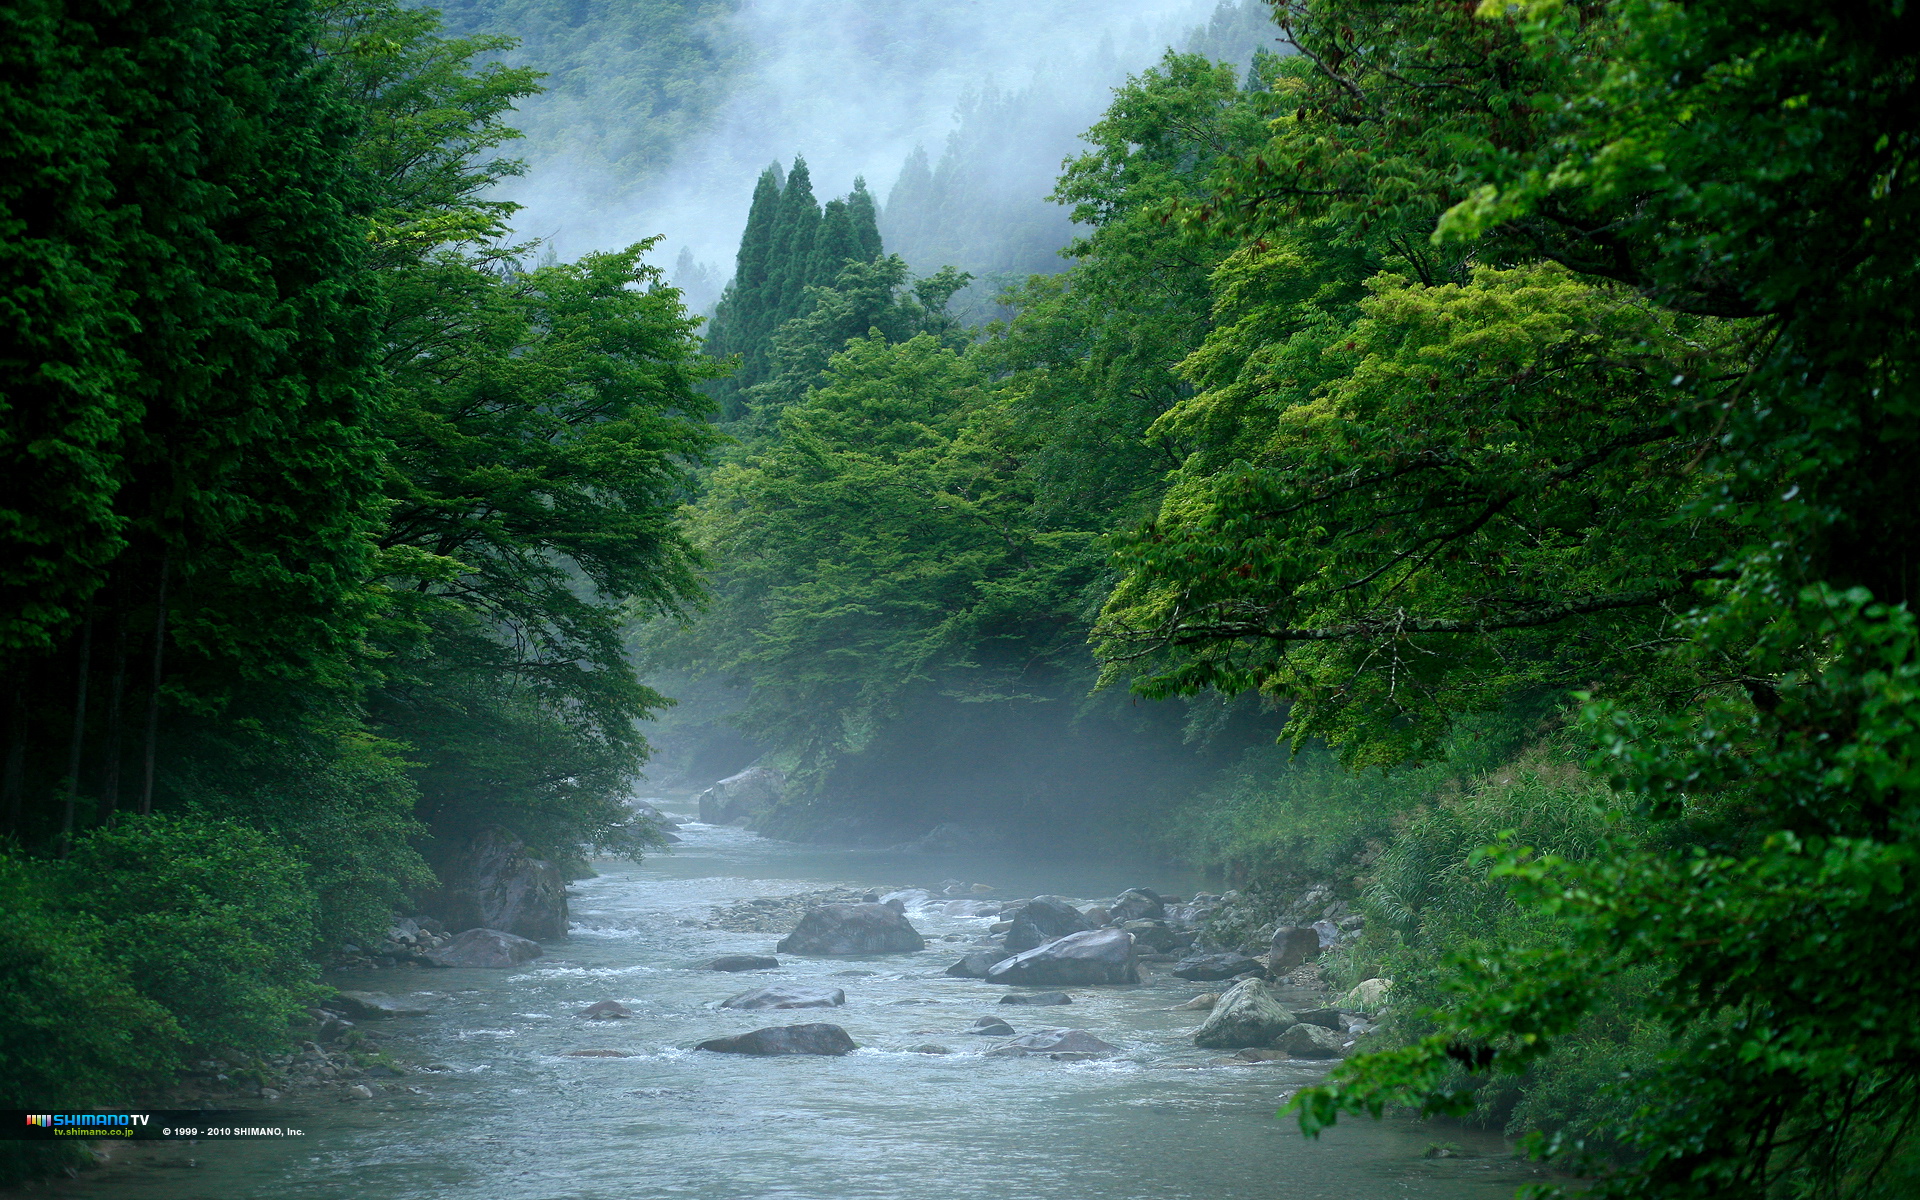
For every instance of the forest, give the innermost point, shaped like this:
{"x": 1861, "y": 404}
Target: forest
{"x": 1455, "y": 459}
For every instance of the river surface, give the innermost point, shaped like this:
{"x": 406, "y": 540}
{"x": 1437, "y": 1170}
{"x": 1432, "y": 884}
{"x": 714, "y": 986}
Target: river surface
{"x": 504, "y": 1115}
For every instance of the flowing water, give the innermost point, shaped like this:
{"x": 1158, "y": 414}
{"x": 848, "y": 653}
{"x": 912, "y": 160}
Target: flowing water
{"x": 505, "y": 1115}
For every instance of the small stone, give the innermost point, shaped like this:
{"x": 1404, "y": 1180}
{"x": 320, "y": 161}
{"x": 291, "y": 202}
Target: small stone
{"x": 991, "y": 1026}
{"x": 928, "y": 1048}
{"x": 1254, "y": 1055}
{"x": 267, "y": 1093}
{"x": 597, "y": 1054}
{"x": 1036, "y": 998}
{"x": 605, "y": 1010}
{"x": 742, "y": 962}
{"x": 1204, "y": 1002}
{"x": 360, "y": 1091}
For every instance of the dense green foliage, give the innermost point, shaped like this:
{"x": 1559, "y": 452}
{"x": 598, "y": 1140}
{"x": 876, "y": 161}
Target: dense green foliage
{"x": 790, "y": 246}
{"x": 1510, "y": 406}
{"x": 327, "y": 512}
{"x": 910, "y": 539}
{"x": 1459, "y": 363}
{"x": 1630, "y": 372}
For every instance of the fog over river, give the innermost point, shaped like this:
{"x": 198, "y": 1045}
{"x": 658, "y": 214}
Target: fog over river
{"x": 498, "y": 1110}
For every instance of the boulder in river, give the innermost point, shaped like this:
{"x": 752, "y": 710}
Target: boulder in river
{"x": 747, "y": 796}
{"x": 992, "y": 1027}
{"x": 852, "y": 929}
{"x": 1150, "y": 935}
{"x": 490, "y": 882}
{"x": 782, "y": 995}
{"x": 1292, "y": 946}
{"x": 1248, "y": 1014}
{"x": 1061, "y": 1045}
{"x": 1325, "y": 1018}
{"x": 785, "y": 1039}
{"x": 486, "y": 948}
{"x": 1310, "y": 1041}
{"x": 907, "y": 898}
{"x": 742, "y": 962}
{"x": 1135, "y": 904}
{"x": 605, "y": 1010}
{"x": 1041, "y": 920}
{"x": 373, "y": 1006}
{"x": 1036, "y": 999}
{"x": 1204, "y": 1002}
{"x": 977, "y": 963}
{"x": 1078, "y": 959}
{"x": 1209, "y": 967}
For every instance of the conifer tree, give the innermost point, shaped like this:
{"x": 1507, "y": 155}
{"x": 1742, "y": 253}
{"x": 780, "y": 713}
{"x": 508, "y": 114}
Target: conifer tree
{"x": 910, "y": 205}
{"x": 740, "y": 321}
{"x": 794, "y": 227}
{"x": 865, "y": 220}
{"x": 834, "y": 245}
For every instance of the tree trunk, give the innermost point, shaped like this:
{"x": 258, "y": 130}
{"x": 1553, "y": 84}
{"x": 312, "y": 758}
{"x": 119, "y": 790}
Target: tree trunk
{"x": 153, "y": 690}
{"x": 116, "y": 726}
{"x": 79, "y": 739}
{"x": 13, "y": 775}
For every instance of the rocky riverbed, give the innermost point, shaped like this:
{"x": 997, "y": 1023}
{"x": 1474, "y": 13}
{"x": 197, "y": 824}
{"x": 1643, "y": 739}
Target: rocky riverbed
{"x": 579, "y": 1072}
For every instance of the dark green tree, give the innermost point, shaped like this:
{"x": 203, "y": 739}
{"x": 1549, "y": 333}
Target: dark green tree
{"x": 796, "y": 222}
{"x": 834, "y": 245}
{"x": 739, "y": 324}
{"x": 865, "y": 218}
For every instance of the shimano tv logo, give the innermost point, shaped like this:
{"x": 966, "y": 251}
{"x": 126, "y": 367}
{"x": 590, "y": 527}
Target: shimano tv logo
{"x": 86, "y": 1120}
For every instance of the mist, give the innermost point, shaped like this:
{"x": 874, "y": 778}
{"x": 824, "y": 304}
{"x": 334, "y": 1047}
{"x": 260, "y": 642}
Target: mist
{"x": 992, "y": 91}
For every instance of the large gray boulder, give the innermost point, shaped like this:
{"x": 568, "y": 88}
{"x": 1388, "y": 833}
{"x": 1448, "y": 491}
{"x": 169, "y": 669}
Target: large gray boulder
{"x": 1061, "y": 1045}
{"x": 1041, "y": 920}
{"x": 1150, "y": 935}
{"x": 491, "y": 882}
{"x": 1247, "y": 1014}
{"x": 1209, "y": 967}
{"x": 1310, "y": 1041}
{"x": 784, "y": 995}
{"x": 1292, "y": 946}
{"x": 490, "y": 948}
{"x": 1136, "y": 904}
{"x": 785, "y": 1039}
{"x": 744, "y": 797}
{"x": 1091, "y": 956}
{"x": 976, "y": 964}
{"x": 852, "y": 929}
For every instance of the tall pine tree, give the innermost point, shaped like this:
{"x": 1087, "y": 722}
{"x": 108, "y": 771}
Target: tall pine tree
{"x": 865, "y": 220}
{"x": 740, "y": 324}
{"x": 834, "y": 245}
{"x": 794, "y": 229}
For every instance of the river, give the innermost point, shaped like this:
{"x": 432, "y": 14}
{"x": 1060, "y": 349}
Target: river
{"x": 503, "y": 1114}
